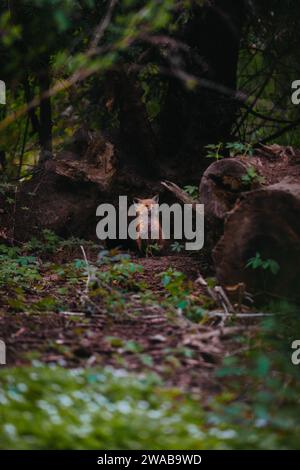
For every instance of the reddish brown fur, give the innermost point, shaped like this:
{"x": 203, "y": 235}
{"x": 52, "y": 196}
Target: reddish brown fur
{"x": 147, "y": 204}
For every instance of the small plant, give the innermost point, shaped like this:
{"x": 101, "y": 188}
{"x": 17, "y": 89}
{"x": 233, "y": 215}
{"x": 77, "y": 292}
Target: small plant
{"x": 180, "y": 294}
{"x": 252, "y": 176}
{"x": 191, "y": 191}
{"x": 217, "y": 151}
{"x": 153, "y": 249}
{"x": 238, "y": 148}
{"x": 17, "y": 269}
{"x": 267, "y": 265}
{"x": 111, "y": 256}
{"x": 214, "y": 151}
{"x": 177, "y": 247}
{"x": 173, "y": 281}
{"x": 49, "y": 243}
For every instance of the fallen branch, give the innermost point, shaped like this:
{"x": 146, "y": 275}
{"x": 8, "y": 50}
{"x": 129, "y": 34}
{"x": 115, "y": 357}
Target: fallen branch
{"x": 218, "y": 295}
{"x": 239, "y": 315}
{"x": 183, "y": 196}
{"x": 178, "y": 192}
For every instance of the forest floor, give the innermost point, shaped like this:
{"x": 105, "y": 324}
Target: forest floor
{"x": 106, "y": 350}
{"x": 136, "y": 319}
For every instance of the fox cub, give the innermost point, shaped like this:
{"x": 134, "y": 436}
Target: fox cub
{"x": 149, "y": 231}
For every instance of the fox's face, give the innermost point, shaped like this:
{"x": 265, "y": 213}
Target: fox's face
{"x": 143, "y": 205}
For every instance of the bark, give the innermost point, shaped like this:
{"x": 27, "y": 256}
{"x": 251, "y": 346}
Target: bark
{"x": 221, "y": 186}
{"x": 32, "y": 112}
{"x": 264, "y": 221}
{"x": 64, "y": 193}
{"x": 45, "y": 125}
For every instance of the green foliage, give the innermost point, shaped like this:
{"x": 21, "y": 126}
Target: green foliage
{"x": 154, "y": 89}
{"x": 218, "y": 151}
{"x": 180, "y": 295}
{"x": 54, "y": 408}
{"x": 191, "y": 191}
{"x": 66, "y": 49}
{"x": 177, "y": 247}
{"x": 214, "y": 151}
{"x": 174, "y": 281}
{"x": 25, "y": 276}
{"x": 266, "y": 70}
{"x": 252, "y": 176}
{"x": 262, "y": 384}
{"x": 239, "y": 148}
{"x": 48, "y": 243}
{"x": 153, "y": 249}
{"x": 16, "y": 269}
{"x": 267, "y": 265}
{"x": 111, "y": 281}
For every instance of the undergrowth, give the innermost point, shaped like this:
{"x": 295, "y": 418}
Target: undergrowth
{"x": 258, "y": 404}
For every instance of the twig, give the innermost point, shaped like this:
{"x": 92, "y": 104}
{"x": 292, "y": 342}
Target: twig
{"x": 218, "y": 295}
{"x": 240, "y": 315}
{"x": 279, "y": 133}
{"x": 77, "y": 314}
{"x": 223, "y": 299}
{"x": 88, "y": 269}
{"x": 227, "y": 331}
{"x": 103, "y": 25}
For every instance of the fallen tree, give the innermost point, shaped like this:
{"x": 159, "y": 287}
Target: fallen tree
{"x": 261, "y": 242}
{"x": 62, "y": 195}
{"x": 252, "y": 208}
{"x": 220, "y": 187}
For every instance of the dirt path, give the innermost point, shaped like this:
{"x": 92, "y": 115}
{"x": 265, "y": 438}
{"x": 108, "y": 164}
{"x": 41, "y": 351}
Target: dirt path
{"x": 147, "y": 335}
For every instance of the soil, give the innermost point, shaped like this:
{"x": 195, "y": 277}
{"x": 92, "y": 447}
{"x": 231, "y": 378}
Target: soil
{"x": 183, "y": 353}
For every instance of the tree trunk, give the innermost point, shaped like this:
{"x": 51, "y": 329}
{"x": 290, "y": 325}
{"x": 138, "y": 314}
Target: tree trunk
{"x": 195, "y": 117}
{"x": 45, "y": 127}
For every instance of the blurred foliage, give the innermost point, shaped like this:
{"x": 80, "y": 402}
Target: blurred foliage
{"x": 267, "y": 68}
{"x": 36, "y": 34}
{"x": 53, "y": 408}
{"x": 70, "y": 45}
{"x": 262, "y": 384}
{"x": 258, "y": 408}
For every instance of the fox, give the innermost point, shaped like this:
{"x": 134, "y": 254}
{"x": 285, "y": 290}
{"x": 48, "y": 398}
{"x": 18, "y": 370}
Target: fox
{"x": 145, "y": 218}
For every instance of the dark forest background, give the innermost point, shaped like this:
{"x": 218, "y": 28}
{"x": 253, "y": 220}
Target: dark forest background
{"x": 162, "y": 78}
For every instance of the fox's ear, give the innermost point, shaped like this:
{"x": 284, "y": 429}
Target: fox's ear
{"x": 156, "y": 198}
{"x": 136, "y": 200}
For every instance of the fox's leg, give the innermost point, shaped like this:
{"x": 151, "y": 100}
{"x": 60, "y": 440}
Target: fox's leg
{"x": 162, "y": 242}
{"x": 139, "y": 244}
